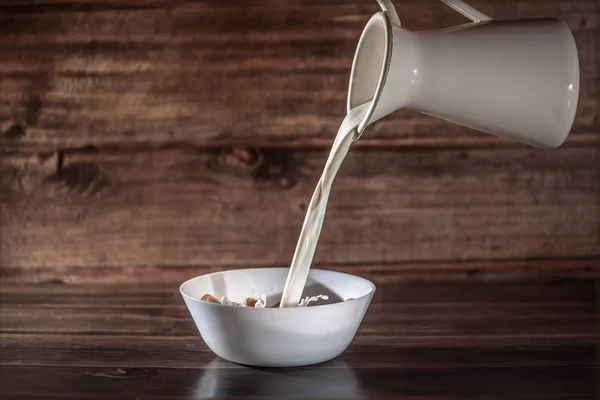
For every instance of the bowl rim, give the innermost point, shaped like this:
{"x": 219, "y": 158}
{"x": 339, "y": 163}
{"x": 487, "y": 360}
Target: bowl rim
{"x": 371, "y": 292}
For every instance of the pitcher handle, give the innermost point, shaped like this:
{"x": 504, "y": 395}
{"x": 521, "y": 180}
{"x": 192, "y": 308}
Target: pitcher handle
{"x": 467, "y": 11}
{"x": 388, "y": 8}
{"x": 457, "y": 5}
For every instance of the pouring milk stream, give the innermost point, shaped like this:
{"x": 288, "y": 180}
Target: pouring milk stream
{"x": 516, "y": 79}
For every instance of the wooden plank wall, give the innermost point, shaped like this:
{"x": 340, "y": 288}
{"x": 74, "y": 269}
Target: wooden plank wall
{"x": 157, "y": 139}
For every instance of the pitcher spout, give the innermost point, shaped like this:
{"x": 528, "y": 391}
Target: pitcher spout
{"x": 385, "y": 70}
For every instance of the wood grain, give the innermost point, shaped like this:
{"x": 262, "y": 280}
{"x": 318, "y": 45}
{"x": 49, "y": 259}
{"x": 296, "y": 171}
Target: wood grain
{"x": 567, "y": 383}
{"x": 399, "y": 310}
{"x": 473, "y": 271}
{"x": 475, "y": 340}
{"x": 244, "y": 207}
{"x": 104, "y": 73}
{"x": 398, "y": 351}
{"x": 387, "y": 320}
{"x": 441, "y": 293}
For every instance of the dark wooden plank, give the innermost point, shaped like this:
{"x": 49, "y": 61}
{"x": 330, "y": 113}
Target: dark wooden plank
{"x": 398, "y": 351}
{"x": 212, "y": 73}
{"x": 527, "y": 340}
{"x": 382, "y": 321}
{"x": 481, "y": 271}
{"x": 245, "y": 207}
{"x": 341, "y": 382}
{"x": 488, "y": 6}
{"x": 391, "y": 289}
{"x": 566, "y": 310}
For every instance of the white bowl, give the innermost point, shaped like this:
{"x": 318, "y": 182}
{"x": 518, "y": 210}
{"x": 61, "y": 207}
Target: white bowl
{"x": 277, "y": 337}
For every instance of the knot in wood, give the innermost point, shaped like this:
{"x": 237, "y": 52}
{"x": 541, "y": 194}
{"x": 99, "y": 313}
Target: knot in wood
{"x": 25, "y": 175}
{"x": 278, "y": 167}
{"x": 242, "y": 161}
{"x": 83, "y": 178}
{"x": 13, "y": 130}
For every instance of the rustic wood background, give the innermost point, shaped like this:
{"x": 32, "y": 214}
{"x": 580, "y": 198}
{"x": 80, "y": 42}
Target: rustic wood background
{"x": 157, "y": 139}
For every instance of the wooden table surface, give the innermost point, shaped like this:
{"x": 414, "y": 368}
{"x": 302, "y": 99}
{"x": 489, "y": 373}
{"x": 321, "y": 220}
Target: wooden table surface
{"x": 442, "y": 340}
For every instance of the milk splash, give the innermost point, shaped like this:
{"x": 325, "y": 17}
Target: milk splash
{"x": 313, "y": 222}
{"x": 262, "y": 301}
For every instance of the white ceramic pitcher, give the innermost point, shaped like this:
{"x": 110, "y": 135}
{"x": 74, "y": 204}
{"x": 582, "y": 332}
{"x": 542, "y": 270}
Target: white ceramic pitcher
{"x": 517, "y": 79}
